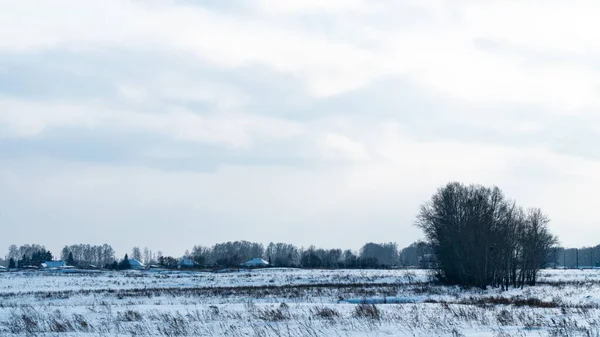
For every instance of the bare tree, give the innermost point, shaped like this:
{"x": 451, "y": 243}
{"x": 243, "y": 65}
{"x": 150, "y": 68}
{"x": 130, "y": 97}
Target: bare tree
{"x": 148, "y": 256}
{"x": 85, "y": 255}
{"x": 136, "y": 253}
{"x": 282, "y": 254}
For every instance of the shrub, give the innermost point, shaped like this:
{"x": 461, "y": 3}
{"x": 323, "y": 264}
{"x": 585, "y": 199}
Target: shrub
{"x": 325, "y": 312}
{"x": 364, "y": 310}
{"x": 130, "y": 316}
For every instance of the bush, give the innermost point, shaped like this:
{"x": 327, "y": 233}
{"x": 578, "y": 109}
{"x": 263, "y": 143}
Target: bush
{"x": 130, "y": 316}
{"x": 325, "y": 312}
{"x": 272, "y": 315}
{"x": 367, "y": 311}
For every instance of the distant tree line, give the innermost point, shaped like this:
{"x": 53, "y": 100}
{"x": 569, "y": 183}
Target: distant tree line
{"x": 27, "y": 255}
{"x": 231, "y": 254}
{"x": 82, "y": 255}
{"x": 226, "y": 254}
{"x": 585, "y": 257}
{"x": 480, "y": 238}
{"x": 277, "y": 254}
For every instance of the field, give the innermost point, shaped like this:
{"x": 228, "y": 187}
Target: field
{"x": 291, "y": 302}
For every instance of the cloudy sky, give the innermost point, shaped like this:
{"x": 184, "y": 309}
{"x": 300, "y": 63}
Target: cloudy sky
{"x": 172, "y": 123}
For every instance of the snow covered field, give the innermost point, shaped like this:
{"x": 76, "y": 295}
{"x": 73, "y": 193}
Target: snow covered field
{"x": 291, "y": 302}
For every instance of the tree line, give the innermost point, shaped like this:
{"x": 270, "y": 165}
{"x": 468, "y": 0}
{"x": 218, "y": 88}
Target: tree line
{"x": 226, "y": 254}
{"x": 585, "y": 257}
{"x": 371, "y": 255}
{"x": 278, "y": 254}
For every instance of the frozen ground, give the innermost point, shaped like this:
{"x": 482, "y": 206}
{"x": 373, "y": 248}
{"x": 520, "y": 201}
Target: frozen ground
{"x": 290, "y": 302}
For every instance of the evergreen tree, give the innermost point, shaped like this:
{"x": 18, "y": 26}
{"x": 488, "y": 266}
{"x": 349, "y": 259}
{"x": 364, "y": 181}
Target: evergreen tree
{"x": 24, "y": 261}
{"x": 40, "y": 256}
{"x": 11, "y": 263}
{"x": 124, "y": 263}
{"x": 70, "y": 261}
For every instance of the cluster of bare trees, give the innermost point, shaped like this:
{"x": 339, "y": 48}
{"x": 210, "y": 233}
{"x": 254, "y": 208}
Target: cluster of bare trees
{"x": 85, "y": 255}
{"x": 27, "y": 255}
{"x": 16, "y": 252}
{"x": 324, "y": 258}
{"x": 386, "y": 254}
{"x": 227, "y": 254}
{"x": 585, "y": 257}
{"x": 480, "y": 238}
{"x": 371, "y": 255}
{"x": 282, "y": 254}
{"x": 145, "y": 255}
{"x": 414, "y": 254}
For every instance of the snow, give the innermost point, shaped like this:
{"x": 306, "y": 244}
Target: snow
{"x": 256, "y": 262}
{"x": 383, "y": 300}
{"x": 291, "y": 302}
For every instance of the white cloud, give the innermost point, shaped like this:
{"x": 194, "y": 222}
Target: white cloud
{"x": 25, "y": 119}
{"x": 225, "y": 41}
{"x": 442, "y": 56}
{"x": 336, "y": 146}
{"x": 311, "y": 6}
{"x": 548, "y": 25}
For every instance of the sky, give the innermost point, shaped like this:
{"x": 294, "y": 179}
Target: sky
{"x": 174, "y": 123}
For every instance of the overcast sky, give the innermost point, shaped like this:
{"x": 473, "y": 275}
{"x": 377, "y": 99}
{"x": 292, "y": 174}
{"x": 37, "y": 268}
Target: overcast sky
{"x": 173, "y": 123}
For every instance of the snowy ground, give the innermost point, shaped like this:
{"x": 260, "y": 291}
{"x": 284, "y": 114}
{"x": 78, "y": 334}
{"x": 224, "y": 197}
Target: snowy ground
{"x": 290, "y": 302}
